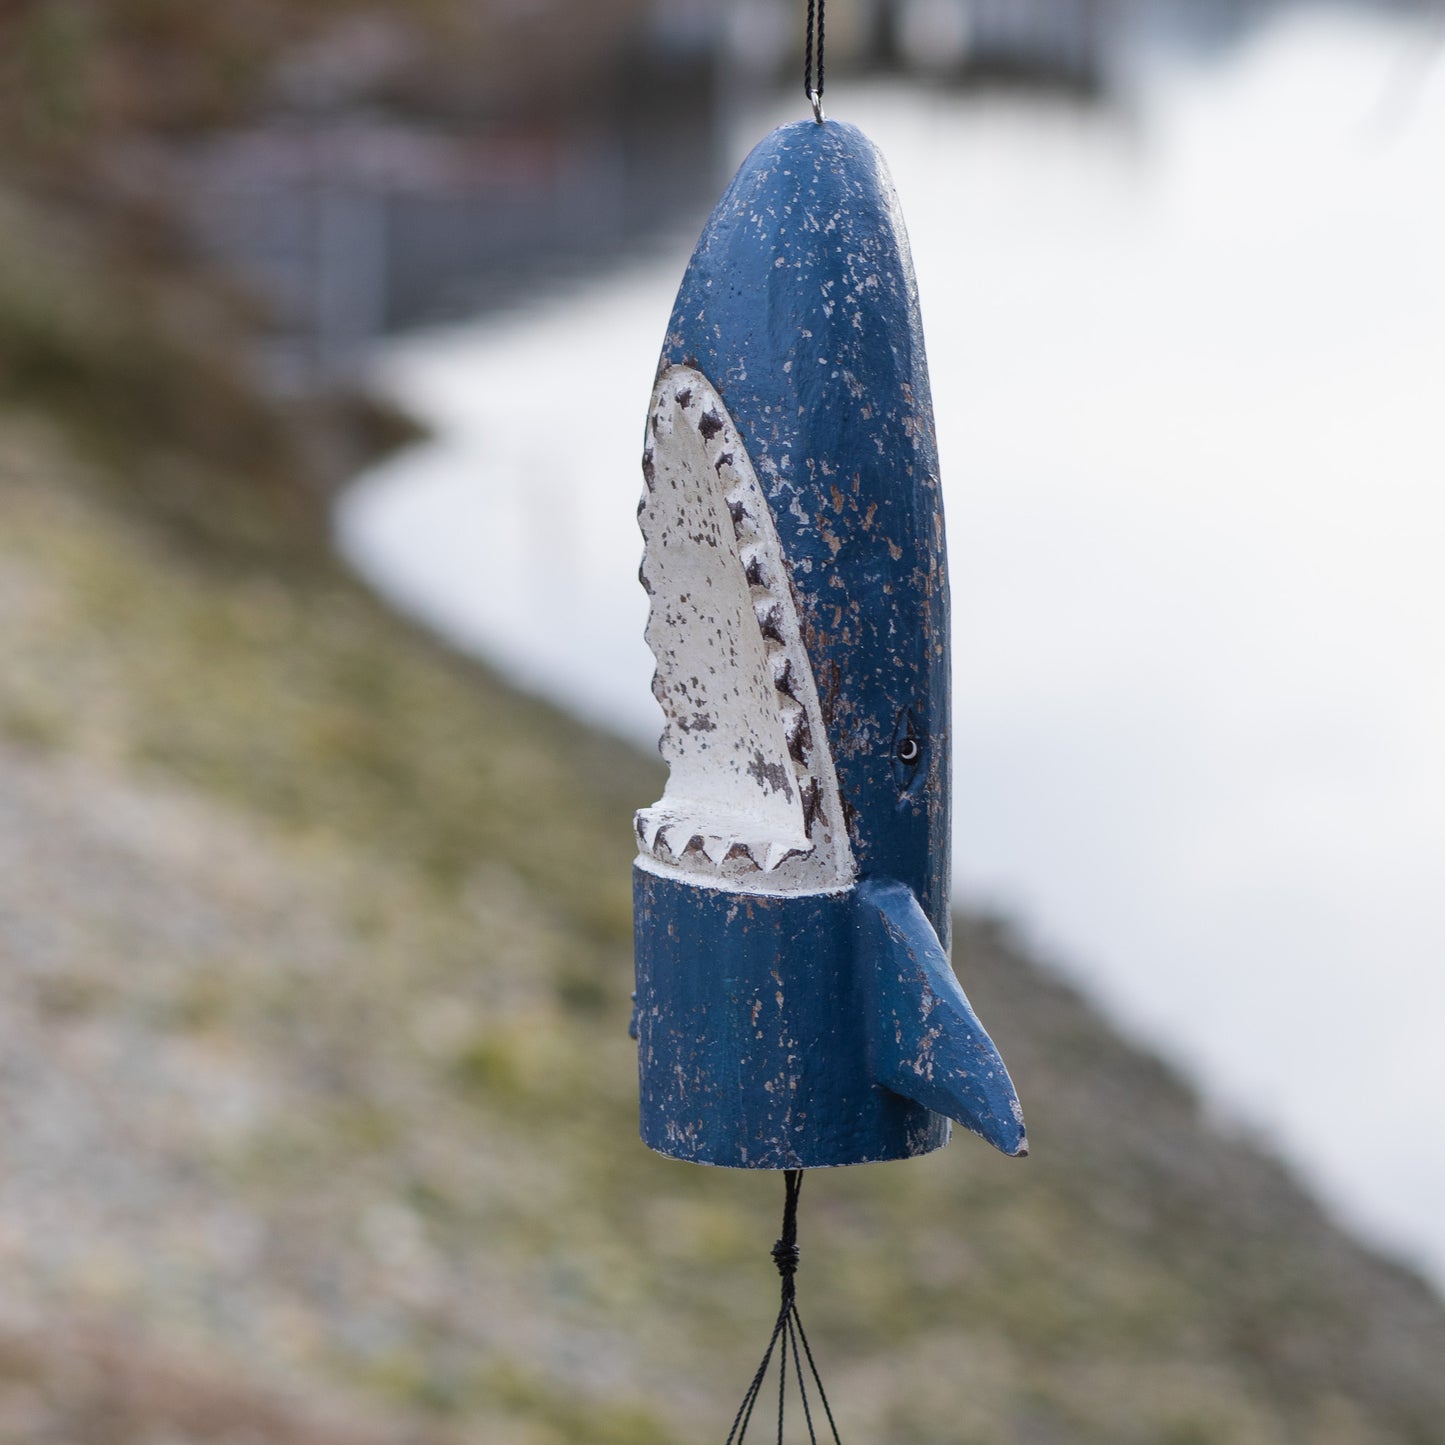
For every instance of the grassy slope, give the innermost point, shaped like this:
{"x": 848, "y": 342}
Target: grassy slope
{"x": 315, "y": 1066}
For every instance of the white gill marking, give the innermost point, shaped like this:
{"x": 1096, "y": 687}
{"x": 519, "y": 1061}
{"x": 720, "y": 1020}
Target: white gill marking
{"x": 752, "y": 795}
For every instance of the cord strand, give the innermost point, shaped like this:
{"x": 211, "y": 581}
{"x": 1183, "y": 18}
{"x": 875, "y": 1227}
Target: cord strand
{"x": 813, "y": 35}
{"x": 802, "y": 1387}
{"x": 788, "y": 1337}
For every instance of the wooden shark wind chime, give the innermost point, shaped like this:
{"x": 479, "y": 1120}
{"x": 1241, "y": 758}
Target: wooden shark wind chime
{"x": 795, "y": 1006}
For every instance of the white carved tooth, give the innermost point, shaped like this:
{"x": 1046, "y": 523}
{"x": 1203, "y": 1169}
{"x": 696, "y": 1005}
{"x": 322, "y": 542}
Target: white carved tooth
{"x": 796, "y": 731}
{"x": 770, "y": 616}
{"x": 744, "y": 523}
{"x": 779, "y": 853}
{"x": 812, "y": 800}
{"x": 716, "y": 848}
{"x": 753, "y": 569}
{"x": 649, "y": 825}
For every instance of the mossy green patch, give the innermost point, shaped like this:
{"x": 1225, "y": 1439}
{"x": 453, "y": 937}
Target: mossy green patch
{"x": 319, "y": 962}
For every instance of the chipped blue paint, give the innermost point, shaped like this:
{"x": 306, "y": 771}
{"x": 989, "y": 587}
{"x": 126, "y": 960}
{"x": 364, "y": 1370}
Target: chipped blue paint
{"x": 786, "y": 1027}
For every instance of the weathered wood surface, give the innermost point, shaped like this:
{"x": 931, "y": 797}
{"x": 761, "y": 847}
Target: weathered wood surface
{"x": 795, "y": 1006}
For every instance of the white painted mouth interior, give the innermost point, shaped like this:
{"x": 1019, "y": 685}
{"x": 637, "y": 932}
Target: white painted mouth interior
{"x": 752, "y": 795}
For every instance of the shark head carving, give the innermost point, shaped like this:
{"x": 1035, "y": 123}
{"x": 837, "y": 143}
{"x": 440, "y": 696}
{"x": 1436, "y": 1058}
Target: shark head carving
{"x": 795, "y": 1003}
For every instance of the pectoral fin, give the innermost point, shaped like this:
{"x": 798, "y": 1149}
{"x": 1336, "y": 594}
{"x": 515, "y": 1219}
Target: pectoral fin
{"x": 925, "y": 1040}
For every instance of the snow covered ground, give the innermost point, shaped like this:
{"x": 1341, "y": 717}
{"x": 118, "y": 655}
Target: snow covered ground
{"x": 1189, "y": 368}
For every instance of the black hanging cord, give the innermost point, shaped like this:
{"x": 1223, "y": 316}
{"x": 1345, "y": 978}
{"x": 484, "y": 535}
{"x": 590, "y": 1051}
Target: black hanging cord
{"x": 788, "y": 1334}
{"x": 813, "y": 46}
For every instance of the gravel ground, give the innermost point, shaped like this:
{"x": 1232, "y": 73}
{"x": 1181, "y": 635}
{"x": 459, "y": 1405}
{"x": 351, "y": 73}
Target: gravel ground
{"x": 319, "y": 1107}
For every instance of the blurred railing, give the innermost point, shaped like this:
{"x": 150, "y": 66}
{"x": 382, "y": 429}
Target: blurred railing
{"x": 350, "y": 223}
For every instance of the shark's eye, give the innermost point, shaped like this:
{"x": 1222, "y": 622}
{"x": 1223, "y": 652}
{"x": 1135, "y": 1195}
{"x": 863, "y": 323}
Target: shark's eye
{"x": 908, "y": 744}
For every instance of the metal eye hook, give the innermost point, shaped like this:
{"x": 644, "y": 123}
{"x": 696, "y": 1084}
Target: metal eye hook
{"x": 813, "y": 46}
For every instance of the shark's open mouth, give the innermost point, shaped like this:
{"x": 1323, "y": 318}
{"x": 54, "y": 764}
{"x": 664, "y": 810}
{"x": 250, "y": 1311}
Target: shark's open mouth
{"x": 751, "y": 796}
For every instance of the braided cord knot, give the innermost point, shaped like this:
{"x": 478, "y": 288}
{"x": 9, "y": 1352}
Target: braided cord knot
{"x": 785, "y": 1256}
{"x": 789, "y": 1341}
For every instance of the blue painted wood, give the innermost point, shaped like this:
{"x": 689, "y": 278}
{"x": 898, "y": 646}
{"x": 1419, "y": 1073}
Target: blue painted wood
{"x": 925, "y": 1041}
{"x": 825, "y": 1028}
{"x": 754, "y": 1030}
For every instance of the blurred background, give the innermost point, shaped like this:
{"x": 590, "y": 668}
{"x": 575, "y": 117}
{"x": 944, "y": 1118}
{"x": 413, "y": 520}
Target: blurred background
{"x": 324, "y": 707}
